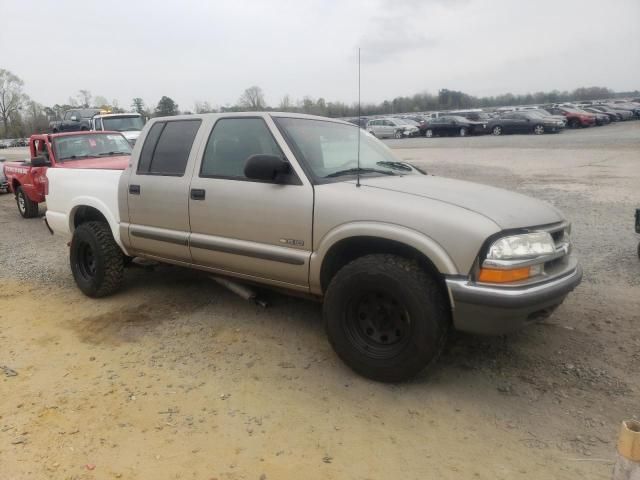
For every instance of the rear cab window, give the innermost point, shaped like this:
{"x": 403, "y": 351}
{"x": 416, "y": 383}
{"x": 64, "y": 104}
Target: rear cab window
{"x": 167, "y": 147}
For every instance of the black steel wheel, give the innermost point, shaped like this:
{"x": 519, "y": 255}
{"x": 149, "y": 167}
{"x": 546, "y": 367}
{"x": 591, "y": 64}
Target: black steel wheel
{"x": 386, "y": 317}
{"x": 97, "y": 263}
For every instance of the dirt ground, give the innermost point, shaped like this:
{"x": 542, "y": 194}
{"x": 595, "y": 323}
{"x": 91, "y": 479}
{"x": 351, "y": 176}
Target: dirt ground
{"x": 176, "y": 378}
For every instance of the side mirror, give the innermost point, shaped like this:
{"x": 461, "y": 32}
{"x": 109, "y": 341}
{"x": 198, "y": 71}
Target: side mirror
{"x": 40, "y": 161}
{"x": 74, "y": 118}
{"x": 265, "y": 167}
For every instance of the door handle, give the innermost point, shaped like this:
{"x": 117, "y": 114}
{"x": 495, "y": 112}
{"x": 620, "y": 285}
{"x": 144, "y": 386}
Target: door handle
{"x": 197, "y": 194}
{"x": 134, "y": 189}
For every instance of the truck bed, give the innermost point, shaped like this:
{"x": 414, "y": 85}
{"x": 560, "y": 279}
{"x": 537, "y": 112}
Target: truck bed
{"x": 97, "y": 188}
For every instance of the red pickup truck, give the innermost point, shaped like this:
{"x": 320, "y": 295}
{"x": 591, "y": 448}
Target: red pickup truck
{"x": 27, "y": 180}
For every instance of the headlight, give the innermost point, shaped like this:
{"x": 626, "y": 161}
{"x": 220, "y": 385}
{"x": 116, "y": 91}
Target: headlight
{"x": 519, "y": 247}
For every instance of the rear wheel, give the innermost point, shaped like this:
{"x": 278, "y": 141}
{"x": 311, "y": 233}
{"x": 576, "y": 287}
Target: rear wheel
{"x": 385, "y": 317}
{"x": 538, "y": 129}
{"x": 497, "y": 130}
{"x": 463, "y": 132}
{"x": 27, "y": 207}
{"x": 97, "y": 263}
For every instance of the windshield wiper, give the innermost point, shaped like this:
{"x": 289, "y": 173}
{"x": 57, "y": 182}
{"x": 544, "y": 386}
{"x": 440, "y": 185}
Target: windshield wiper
{"x": 395, "y": 165}
{"x": 112, "y": 153}
{"x": 75, "y": 157}
{"x": 353, "y": 171}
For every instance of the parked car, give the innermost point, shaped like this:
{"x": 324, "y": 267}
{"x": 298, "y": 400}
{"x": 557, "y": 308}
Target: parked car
{"x": 128, "y": 124}
{"x": 613, "y": 117}
{"x": 476, "y": 116}
{"x": 543, "y": 113}
{"x": 74, "y": 120}
{"x": 390, "y": 127}
{"x": 621, "y": 114}
{"x": 26, "y": 179}
{"x": 524, "y": 122}
{"x": 631, "y": 107}
{"x": 452, "y": 126}
{"x": 3, "y": 144}
{"x": 575, "y": 118}
{"x": 361, "y": 122}
{"x": 397, "y": 257}
{"x": 4, "y": 185}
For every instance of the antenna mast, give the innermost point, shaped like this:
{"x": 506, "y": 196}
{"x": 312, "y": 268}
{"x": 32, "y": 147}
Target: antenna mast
{"x": 359, "y": 123}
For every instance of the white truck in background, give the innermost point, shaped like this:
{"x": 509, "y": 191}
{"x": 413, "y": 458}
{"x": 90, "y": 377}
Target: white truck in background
{"x": 128, "y": 124}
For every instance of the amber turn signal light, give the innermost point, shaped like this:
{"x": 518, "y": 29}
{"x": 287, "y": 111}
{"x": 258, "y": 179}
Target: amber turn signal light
{"x": 490, "y": 275}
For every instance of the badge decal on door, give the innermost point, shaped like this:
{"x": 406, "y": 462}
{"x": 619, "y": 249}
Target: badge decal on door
{"x": 292, "y": 241}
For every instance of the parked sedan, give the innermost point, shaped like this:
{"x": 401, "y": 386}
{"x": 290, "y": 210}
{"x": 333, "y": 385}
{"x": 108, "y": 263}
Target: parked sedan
{"x": 452, "y": 125}
{"x": 621, "y": 114}
{"x": 525, "y": 122}
{"x": 613, "y": 117}
{"x": 391, "y": 128}
{"x": 575, "y": 118}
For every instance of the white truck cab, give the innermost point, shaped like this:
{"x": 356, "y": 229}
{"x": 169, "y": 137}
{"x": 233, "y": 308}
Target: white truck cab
{"x": 129, "y": 124}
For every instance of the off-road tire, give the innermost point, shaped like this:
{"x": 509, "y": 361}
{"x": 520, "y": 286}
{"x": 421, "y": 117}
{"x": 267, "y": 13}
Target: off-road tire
{"x": 27, "y": 207}
{"x": 107, "y": 275}
{"x": 426, "y": 324}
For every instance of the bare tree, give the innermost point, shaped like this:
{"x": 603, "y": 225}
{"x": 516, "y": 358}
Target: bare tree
{"x": 286, "y": 104}
{"x": 252, "y": 99}
{"x": 100, "y": 101}
{"x": 203, "y": 107}
{"x": 11, "y": 96}
{"x": 138, "y": 105}
{"x": 85, "y": 98}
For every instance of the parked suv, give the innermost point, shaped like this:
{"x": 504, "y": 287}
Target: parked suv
{"x": 312, "y": 206}
{"x": 391, "y": 128}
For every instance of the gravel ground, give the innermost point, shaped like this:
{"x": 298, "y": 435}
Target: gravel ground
{"x": 177, "y": 378}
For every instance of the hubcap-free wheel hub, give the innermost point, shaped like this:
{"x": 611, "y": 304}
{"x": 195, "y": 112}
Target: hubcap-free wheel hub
{"x": 378, "y": 324}
{"x": 86, "y": 261}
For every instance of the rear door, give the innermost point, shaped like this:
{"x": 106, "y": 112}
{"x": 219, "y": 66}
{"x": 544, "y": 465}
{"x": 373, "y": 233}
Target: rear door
{"x": 158, "y": 191}
{"x": 246, "y": 227}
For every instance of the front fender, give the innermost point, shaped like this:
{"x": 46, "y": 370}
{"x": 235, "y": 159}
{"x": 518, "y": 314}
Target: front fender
{"x": 424, "y": 244}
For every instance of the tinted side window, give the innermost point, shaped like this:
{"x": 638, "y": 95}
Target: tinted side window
{"x": 173, "y": 147}
{"x": 149, "y": 146}
{"x": 232, "y": 141}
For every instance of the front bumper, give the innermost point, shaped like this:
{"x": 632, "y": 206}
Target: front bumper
{"x": 494, "y": 310}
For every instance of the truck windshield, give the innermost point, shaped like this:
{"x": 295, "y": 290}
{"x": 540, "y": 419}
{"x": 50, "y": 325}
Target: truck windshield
{"x": 96, "y": 145}
{"x": 330, "y": 149}
{"x": 123, "y": 124}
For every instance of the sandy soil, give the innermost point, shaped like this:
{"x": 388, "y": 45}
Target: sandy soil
{"x": 177, "y": 378}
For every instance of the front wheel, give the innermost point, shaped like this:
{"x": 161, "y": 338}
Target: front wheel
{"x": 463, "y": 132}
{"x": 27, "y": 207}
{"x": 497, "y": 130}
{"x": 97, "y": 263}
{"x": 398, "y": 134}
{"x": 538, "y": 129}
{"x": 574, "y": 123}
{"x": 428, "y": 133}
{"x": 385, "y": 317}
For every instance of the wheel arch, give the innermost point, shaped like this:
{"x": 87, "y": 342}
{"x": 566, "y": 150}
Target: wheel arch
{"x": 348, "y": 242}
{"x": 88, "y": 209}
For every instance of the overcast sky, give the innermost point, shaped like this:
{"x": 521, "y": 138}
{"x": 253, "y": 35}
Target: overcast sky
{"x": 211, "y": 51}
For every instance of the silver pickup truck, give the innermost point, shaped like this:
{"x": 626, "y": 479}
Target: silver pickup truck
{"x": 398, "y": 257}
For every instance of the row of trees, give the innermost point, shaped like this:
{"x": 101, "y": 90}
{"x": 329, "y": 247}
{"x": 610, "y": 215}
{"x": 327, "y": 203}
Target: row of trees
{"x": 20, "y": 115}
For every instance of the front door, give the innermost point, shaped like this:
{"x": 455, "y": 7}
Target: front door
{"x": 158, "y": 191}
{"x": 245, "y": 227}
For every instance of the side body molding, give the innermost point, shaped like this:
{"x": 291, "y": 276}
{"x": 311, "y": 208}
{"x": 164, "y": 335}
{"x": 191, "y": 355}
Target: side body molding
{"x": 424, "y": 244}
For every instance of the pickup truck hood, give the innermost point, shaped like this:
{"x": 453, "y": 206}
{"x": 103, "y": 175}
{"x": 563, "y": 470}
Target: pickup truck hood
{"x": 103, "y": 163}
{"x": 131, "y": 135}
{"x": 506, "y": 209}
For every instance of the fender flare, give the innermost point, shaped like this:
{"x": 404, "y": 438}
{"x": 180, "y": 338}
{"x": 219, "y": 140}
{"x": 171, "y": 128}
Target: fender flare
{"x": 417, "y": 240}
{"x": 92, "y": 202}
